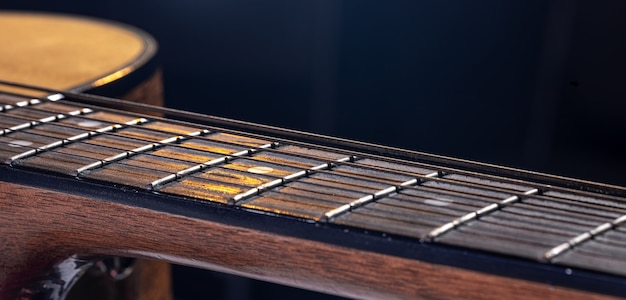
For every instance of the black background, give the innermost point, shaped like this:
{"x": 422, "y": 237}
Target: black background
{"x": 532, "y": 84}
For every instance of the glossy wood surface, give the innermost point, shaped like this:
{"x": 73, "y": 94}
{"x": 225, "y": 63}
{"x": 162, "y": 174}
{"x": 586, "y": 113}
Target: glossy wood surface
{"x": 517, "y": 217}
{"x": 43, "y": 226}
{"x": 74, "y": 53}
{"x": 68, "y": 52}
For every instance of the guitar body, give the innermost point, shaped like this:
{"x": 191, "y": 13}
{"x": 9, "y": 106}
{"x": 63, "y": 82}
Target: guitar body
{"x": 62, "y": 52}
{"x": 212, "y": 201}
{"x": 72, "y": 53}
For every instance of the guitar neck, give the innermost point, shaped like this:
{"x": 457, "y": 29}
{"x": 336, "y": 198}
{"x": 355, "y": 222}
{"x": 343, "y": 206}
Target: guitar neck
{"x": 360, "y": 207}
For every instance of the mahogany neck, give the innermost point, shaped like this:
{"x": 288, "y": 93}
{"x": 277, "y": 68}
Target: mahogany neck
{"x": 574, "y": 225}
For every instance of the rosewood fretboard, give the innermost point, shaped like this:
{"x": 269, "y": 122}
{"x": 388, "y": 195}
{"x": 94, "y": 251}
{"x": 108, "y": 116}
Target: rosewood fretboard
{"x": 574, "y": 224}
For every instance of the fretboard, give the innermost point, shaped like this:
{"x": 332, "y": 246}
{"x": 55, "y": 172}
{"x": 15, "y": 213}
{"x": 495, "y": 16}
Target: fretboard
{"x": 565, "y": 224}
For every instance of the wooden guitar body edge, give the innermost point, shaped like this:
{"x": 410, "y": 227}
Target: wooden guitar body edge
{"x": 79, "y": 54}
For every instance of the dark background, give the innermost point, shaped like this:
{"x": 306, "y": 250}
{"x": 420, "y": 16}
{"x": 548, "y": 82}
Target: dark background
{"x": 532, "y": 84}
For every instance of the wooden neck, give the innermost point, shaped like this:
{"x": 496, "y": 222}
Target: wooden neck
{"x": 230, "y": 185}
{"x": 70, "y": 224}
{"x": 75, "y": 53}
{"x": 331, "y": 215}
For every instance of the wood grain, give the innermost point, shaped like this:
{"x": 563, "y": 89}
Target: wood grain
{"x": 68, "y": 52}
{"x": 63, "y": 52}
{"x": 40, "y": 227}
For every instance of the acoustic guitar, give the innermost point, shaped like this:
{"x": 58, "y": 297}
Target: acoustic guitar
{"x": 78, "y": 54}
{"x": 85, "y": 177}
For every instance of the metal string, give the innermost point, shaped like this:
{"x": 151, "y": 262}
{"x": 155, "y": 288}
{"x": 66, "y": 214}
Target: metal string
{"x": 356, "y": 145}
{"x": 328, "y": 172}
{"x": 490, "y": 188}
{"x": 446, "y": 170}
{"x": 360, "y": 166}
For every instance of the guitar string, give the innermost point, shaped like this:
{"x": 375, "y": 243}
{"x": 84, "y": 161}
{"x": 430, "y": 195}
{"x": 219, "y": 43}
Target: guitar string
{"x": 59, "y": 143}
{"x": 476, "y": 215}
{"x": 282, "y": 181}
{"x": 379, "y": 157}
{"x": 145, "y": 149}
{"x": 485, "y": 175}
{"x": 385, "y": 181}
{"x": 209, "y": 164}
{"x": 248, "y": 158}
{"x": 355, "y": 165}
{"x": 590, "y": 188}
{"x": 371, "y": 198}
{"x": 322, "y": 185}
{"x": 45, "y": 120}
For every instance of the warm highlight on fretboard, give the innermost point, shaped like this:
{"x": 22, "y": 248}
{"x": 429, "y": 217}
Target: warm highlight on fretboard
{"x": 417, "y": 200}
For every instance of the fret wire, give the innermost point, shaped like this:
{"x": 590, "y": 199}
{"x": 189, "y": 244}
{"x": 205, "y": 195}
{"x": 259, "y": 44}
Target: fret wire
{"x": 398, "y": 172}
{"x": 139, "y": 126}
{"x": 370, "y": 167}
{"x": 218, "y": 167}
{"x": 452, "y": 182}
{"x": 426, "y": 178}
{"x": 514, "y": 213}
{"x": 127, "y": 154}
{"x": 208, "y": 180}
{"x": 439, "y": 231}
{"x": 289, "y": 178}
{"x": 594, "y": 195}
{"x": 390, "y": 159}
{"x": 460, "y": 172}
{"x": 42, "y": 121}
{"x": 328, "y": 216}
{"x": 170, "y": 145}
{"x": 252, "y": 158}
{"x": 482, "y": 186}
{"x": 31, "y": 102}
{"x": 73, "y": 139}
{"x": 215, "y": 162}
{"x": 82, "y": 97}
{"x": 302, "y": 144}
{"x": 582, "y": 238}
{"x": 577, "y": 240}
{"x": 426, "y": 189}
{"x": 207, "y": 139}
{"x": 522, "y": 216}
{"x": 446, "y": 170}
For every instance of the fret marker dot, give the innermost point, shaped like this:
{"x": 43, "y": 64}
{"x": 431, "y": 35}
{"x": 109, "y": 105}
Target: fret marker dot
{"x": 260, "y": 170}
{"x": 89, "y": 123}
{"x": 19, "y": 143}
{"x": 438, "y": 202}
